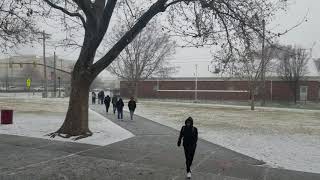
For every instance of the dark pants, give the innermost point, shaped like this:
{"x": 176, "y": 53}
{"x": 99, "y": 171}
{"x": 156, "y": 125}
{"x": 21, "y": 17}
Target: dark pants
{"x": 189, "y": 151}
{"x": 93, "y": 100}
{"x": 131, "y": 114}
{"x": 114, "y": 108}
{"x": 120, "y": 113}
{"x": 107, "y": 108}
{"x": 102, "y": 98}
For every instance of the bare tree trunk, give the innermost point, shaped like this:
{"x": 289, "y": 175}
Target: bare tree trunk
{"x": 76, "y": 121}
{"x": 136, "y": 89}
{"x": 252, "y": 100}
{"x": 295, "y": 92}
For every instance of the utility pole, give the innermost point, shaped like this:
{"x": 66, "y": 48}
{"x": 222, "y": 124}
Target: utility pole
{"x": 196, "y": 85}
{"x": 59, "y": 86}
{"x": 263, "y": 70}
{"x": 45, "y": 95}
{"x": 7, "y": 75}
{"x": 55, "y": 75}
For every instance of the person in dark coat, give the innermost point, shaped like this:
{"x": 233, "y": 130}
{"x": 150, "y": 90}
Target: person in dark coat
{"x": 93, "y": 97}
{"x": 102, "y": 97}
{"x": 99, "y": 97}
{"x": 114, "y": 103}
{"x": 120, "y": 105}
{"x": 107, "y": 100}
{"x": 132, "y": 106}
{"x": 189, "y": 134}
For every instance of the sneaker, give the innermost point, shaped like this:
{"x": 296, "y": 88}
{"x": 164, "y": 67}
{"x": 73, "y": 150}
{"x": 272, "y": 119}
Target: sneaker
{"x": 189, "y": 175}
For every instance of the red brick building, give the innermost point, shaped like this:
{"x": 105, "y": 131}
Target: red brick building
{"x": 219, "y": 89}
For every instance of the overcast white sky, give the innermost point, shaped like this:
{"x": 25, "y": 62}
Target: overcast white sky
{"x": 305, "y": 35}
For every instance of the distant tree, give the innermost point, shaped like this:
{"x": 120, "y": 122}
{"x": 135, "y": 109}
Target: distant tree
{"x": 246, "y": 63}
{"x": 145, "y": 56}
{"x": 292, "y": 67}
{"x": 97, "y": 84}
{"x": 16, "y": 25}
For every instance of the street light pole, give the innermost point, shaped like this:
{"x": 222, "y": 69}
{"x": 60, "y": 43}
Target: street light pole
{"x": 263, "y": 74}
{"x": 59, "y": 86}
{"x": 45, "y": 65}
{"x": 55, "y": 75}
{"x": 7, "y": 75}
{"x": 196, "y": 85}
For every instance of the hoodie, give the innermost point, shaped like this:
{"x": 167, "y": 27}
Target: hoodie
{"x": 189, "y": 134}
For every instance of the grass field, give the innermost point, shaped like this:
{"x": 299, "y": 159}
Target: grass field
{"x": 287, "y": 138}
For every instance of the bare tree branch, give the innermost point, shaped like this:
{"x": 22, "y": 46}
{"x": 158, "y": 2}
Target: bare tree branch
{"x": 104, "y": 62}
{"x": 72, "y": 14}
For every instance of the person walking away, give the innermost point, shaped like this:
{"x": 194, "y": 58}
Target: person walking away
{"x": 132, "y": 106}
{"x": 114, "y": 102}
{"x": 120, "y": 108}
{"x": 99, "y": 97}
{"x": 102, "y": 97}
{"x": 107, "y": 100}
{"x": 189, "y": 134}
{"x": 93, "y": 97}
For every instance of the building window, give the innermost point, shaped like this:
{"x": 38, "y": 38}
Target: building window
{"x": 303, "y": 93}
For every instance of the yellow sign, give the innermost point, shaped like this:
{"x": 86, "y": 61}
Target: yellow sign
{"x": 28, "y": 83}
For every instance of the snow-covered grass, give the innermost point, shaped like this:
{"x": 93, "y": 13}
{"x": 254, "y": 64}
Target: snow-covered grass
{"x": 287, "y": 138}
{"x": 36, "y": 117}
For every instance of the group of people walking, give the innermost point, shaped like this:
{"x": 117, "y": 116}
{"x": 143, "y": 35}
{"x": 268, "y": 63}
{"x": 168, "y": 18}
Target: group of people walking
{"x": 101, "y": 97}
{"x": 188, "y": 133}
{"x": 117, "y": 103}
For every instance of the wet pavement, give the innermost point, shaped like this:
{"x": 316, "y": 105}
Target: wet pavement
{"x": 151, "y": 154}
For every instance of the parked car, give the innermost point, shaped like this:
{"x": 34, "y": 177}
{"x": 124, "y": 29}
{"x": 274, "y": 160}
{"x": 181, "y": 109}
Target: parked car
{"x": 60, "y": 89}
{"x": 40, "y": 88}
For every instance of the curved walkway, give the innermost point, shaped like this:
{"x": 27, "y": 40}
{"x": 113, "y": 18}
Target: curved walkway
{"x": 151, "y": 155}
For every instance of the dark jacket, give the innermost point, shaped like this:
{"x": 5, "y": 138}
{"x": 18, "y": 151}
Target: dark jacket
{"x": 114, "y": 100}
{"x": 107, "y": 101}
{"x": 189, "y": 134}
{"x": 120, "y": 104}
{"x": 102, "y": 94}
{"x": 132, "y": 105}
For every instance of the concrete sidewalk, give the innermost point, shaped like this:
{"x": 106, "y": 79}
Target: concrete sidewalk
{"x": 151, "y": 154}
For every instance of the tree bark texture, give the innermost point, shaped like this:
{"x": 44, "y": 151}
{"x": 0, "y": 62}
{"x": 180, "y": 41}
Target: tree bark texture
{"x": 76, "y": 120}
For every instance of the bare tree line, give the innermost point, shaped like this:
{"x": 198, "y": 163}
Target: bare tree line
{"x": 225, "y": 24}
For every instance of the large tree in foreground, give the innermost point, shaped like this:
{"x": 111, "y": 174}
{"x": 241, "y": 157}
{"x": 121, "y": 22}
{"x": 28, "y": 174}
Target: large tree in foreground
{"x": 197, "y": 21}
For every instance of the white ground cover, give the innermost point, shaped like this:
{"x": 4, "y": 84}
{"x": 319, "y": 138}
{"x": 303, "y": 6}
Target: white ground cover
{"x": 36, "y": 117}
{"x": 285, "y": 138}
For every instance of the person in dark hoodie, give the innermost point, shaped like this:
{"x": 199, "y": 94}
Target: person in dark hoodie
{"x": 132, "y": 106}
{"x": 99, "y": 97}
{"x": 94, "y": 97}
{"x": 120, "y": 105}
{"x": 107, "y": 100}
{"x": 189, "y": 134}
{"x": 114, "y": 103}
{"x": 102, "y": 97}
